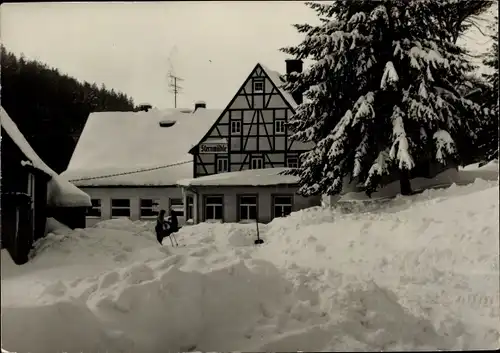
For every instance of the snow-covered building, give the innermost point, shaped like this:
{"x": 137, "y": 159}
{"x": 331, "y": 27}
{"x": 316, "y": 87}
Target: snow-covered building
{"x": 132, "y": 163}
{"x": 248, "y": 145}
{"x": 129, "y": 162}
{"x": 32, "y": 192}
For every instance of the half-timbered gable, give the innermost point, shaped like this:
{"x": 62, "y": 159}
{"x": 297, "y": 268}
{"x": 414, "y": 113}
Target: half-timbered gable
{"x": 251, "y": 132}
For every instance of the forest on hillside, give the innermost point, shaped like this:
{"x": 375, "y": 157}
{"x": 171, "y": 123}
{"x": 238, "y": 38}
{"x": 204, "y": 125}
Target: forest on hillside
{"x": 51, "y": 108}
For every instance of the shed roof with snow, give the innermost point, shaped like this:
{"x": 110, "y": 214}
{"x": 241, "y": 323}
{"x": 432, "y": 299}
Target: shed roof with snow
{"x": 251, "y": 177}
{"x": 60, "y": 192}
{"x": 138, "y": 148}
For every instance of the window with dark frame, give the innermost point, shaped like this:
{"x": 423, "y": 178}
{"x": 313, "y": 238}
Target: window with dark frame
{"x": 247, "y": 207}
{"x": 149, "y": 208}
{"x": 178, "y": 206}
{"x": 257, "y": 163}
{"x": 258, "y": 86}
{"x": 279, "y": 126}
{"x": 235, "y": 127}
{"x": 282, "y": 205}
{"x": 120, "y": 207}
{"x": 213, "y": 207}
{"x": 95, "y": 210}
{"x": 292, "y": 162}
{"x": 222, "y": 165}
{"x": 190, "y": 207}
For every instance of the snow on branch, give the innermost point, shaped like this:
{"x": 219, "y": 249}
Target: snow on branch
{"x": 399, "y": 149}
{"x": 390, "y": 76}
{"x": 358, "y": 17}
{"x": 422, "y": 91}
{"x": 335, "y": 176}
{"x": 380, "y": 12}
{"x": 364, "y": 108}
{"x": 379, "y": 167}
{"x": 445, "y": 146}
{"x": 430, "y": 56}
{"x": 421, "y": 112}
{"x": 338, "y": 136}
{"x": 359, "y": 154}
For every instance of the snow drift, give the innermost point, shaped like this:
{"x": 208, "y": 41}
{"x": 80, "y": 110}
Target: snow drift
{"x": 420, "y": 273}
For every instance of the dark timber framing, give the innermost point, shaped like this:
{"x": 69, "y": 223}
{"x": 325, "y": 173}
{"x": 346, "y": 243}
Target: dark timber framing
{"x": 255, "y": 129}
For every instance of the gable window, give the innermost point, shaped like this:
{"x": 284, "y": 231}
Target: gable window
{"x": 235, "y": 127}
{"x": 258, "y": 86}
{"x": 222, "y": 165}
{"x": 95, "y": 210}
{"x": 213, "y": 208}
{"x": 279, "y": 126}
{"x": 149, "y": 208}
{"x": 247, "y": 207}
{"x": 178, "y": 206}
{"x": 292, "y": 162}
{"x": 120, "y": 208}
{"x": 282, "y": 205}
{"x": 257, "y": 163}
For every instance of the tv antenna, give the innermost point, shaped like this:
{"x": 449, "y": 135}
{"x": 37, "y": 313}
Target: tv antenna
{"x": 174, "y": 79}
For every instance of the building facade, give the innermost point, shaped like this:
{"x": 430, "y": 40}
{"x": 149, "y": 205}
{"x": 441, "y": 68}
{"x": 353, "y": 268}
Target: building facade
{"x": 31, "y": 192}
{"x": 250, "y": 134}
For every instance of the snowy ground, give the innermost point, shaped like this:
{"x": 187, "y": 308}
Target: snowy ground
{"x": 418, "y": 272}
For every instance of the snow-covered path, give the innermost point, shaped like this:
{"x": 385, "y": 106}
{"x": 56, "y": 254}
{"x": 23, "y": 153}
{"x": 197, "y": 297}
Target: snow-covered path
{"x": 421, "y": 273}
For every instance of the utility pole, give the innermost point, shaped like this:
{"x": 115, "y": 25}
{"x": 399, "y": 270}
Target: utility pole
{"x": 174, "y": 86}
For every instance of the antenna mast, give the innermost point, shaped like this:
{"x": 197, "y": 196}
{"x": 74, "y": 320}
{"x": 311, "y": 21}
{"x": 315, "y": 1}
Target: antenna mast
{"x": 174, "y": 80}
{"x": 174, "y": 86}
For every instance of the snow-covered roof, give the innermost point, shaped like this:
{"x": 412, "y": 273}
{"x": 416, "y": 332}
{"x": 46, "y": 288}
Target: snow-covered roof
{"x": 252, "y": 177}
{"x": 60, "y": 192}
{"x": 279, "y": 83}
{"x": 126, "y": 142}
{"x": 163, "y": 175}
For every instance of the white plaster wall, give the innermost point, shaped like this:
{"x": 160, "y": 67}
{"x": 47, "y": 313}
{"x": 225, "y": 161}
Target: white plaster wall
{"x": 230, "y": 208}
{"x": 163, "y": 194}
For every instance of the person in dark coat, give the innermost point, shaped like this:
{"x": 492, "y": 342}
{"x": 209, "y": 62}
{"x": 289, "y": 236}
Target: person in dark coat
{"x": 173, "y": 221}
{"x": 161, "y": 227}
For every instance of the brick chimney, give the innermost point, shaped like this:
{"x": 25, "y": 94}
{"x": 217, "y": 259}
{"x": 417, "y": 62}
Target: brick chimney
{"x": 200, "y": 104}
{"x": 294, "y": 65}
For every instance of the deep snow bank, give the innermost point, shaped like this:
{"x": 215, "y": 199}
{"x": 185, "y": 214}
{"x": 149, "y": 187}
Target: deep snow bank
{"x": 418, "y": 272}
{"x": 437, "y": 252}
{"x": 157, "y": 307}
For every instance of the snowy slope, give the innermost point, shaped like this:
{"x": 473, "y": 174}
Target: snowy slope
{"x": 60, "y": 191}
{"x": 421, "y": 273}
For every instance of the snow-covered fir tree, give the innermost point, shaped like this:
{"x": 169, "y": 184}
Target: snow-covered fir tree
{"x": 489, "y": 130}
{"x": 380, "y": 97}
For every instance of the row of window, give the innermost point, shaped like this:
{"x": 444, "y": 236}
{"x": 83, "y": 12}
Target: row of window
{"x": 247, "y": 207}
{"x": 255, "y": 163}
{"x": 148, "y": 207}
{"x": 279, "y": 127}
{"x": 213, "y": 207}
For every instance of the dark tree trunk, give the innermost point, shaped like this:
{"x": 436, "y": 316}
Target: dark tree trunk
{"x": 404, "y": 183}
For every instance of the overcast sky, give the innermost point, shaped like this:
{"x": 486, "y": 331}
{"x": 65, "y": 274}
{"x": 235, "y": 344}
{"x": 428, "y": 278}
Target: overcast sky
{"x": 127, "y": 46}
